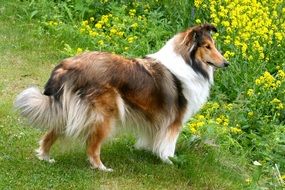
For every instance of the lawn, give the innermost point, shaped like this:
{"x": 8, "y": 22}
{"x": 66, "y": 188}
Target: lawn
{"x": 215, "y": 151}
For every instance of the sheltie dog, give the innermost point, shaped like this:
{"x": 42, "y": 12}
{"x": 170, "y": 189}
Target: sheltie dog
{"x": 95, "y": 93}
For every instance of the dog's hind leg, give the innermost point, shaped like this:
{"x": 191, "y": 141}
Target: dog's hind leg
{"x": 97, "y": 136}
{"x": 45, "y": 144}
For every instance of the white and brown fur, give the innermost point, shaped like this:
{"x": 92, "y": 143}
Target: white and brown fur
{"x": 94, "y": 93}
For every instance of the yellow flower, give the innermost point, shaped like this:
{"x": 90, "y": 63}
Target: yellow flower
{"x": 84, "y": 23}
{"x": 120, "y": 34}
{"x": 244, "y": 48}
{"x": 193, "y": 130}
{"x": 227, "y": 41}
{"x": 229, "y": 106}
{"x": 261, "y": 56}
{"x": 250, "y": 92}
{"x": 113, "y": 31}
{"x": 104, "y": 18}
{"x": 250, "y": 114}
{"x": 257, "y": 81}
{"x": 215, "y": 105}
{"x": 135, "y": 25}
{"x": 219, "y": 120}
{"x": 226, "y": 23}
{"x": 198, "y": 21}
{"x": 101, "y": 42}
{"x": 197, "y": 3}
{"x": 248, "y": 180}
{"x": 222, "y": 120}
{"x": 250, "y": 57}
{"x": 200, "y": 124}
{"x": 281, "y": 75}
{"x": 132, "y": 12}
{"x": 235, "y": 130}
{"x": 275, "y": 101}
{"x": 98, "y": 25}
{"x": 93, "y": 33}
{"x": 200, "y": 117}
{"x": 130, "y": 39}
{"x": 79, "y": 50}
{"x": 280, "y": 106}
{"x": 225, "y": 124}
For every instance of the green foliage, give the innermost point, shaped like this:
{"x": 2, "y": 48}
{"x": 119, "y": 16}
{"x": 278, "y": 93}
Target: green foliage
{"x": 252, "y": 36}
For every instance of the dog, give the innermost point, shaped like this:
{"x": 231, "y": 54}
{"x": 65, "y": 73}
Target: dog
{"x": 94, "y": 93}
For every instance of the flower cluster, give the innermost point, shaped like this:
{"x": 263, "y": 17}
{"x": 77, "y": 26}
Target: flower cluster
{"x": 116, "y": 31}
{"x": 266, "y": 96}
{"x": 109, "y": 29}
{"x": 222, "y": 120}
{"x": 277, "y": 103}
{"x": 250, "y": 27}
{"x": 211, "y": 115}
{"x": 268, "y": 81}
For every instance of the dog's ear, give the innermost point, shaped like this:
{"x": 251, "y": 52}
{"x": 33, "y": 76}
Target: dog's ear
{"x": 191, "y": 36}
{"x": 199, "y": 31}
{"x": 197, "y": 34}
{"x": 194, "y": 35}
{"x": 209, "y": 28}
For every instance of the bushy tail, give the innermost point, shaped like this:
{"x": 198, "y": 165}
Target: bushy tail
{"x": 42, "y": 111}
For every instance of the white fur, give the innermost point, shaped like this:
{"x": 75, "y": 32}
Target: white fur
{"x": 121, "y": 108}
{"x": 77, "y": 114}
{"x": 36, "y": 107}
{"x": 196, "y": 88}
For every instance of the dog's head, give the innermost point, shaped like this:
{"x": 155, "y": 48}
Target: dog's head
{"x": 197, "y": 44}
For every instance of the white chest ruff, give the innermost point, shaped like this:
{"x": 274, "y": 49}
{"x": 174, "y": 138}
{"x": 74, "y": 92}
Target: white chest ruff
{"x": 196, "y": 95}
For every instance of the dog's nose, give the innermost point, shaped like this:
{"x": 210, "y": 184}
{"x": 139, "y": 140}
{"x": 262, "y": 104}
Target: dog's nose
{"x": 226, "y": 64}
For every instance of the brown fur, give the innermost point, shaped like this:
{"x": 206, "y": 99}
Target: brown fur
{"x": 99, "y": 133}
{"x": 94, "y": 74}
{"x": 48, "y": 139}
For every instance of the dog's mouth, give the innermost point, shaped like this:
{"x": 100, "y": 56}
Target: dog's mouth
{"x": 222, "y": 66}
{"x": 210, "y": 63}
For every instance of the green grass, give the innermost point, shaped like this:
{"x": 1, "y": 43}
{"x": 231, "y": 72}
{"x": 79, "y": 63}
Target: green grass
{"x": 27, "y": 59}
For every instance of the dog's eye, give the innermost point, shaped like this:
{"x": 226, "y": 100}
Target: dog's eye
{"x": 208, "y": 46}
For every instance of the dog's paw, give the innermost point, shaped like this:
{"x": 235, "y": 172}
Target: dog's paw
{"x": 167, "y": 160}
{"x": 101, "y": 167}
{"x": 43, "y": 156}
{"x": 106, "y": 169}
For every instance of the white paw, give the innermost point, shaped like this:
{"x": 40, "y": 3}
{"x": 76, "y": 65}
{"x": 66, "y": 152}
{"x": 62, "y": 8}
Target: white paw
{"x": 43, "y": 156}
{"x": 106, "y": 169}
{"x": 51, "y": 160}
{"x": 100, "y": 166}
{"x": 103, "y": 168}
